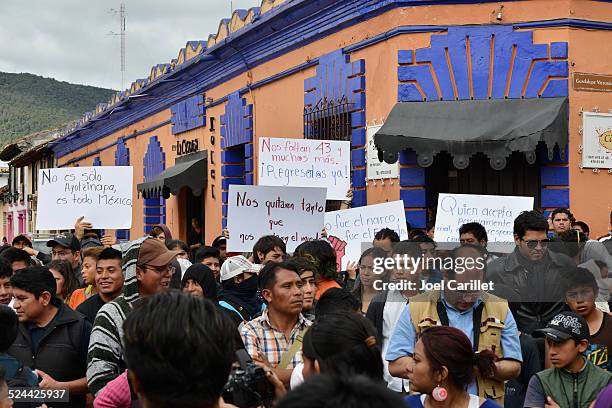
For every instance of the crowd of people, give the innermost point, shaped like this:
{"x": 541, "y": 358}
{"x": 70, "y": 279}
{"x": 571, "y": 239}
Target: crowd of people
{"x": 158, "y": 322}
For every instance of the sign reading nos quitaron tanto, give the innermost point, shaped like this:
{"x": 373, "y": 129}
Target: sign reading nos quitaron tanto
{"x": 103, "y": 195}
{"x": 294, "y": 214}
{"x": 306, "y": 163}
{"x": 596, "y": 140}
{"x": 495, "y": 213}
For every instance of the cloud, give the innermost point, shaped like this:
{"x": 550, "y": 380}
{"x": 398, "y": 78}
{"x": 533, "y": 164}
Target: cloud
{"x": 71, "y": 40}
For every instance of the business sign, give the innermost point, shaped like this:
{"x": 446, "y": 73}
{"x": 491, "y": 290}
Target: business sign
{"x": 495, "y": 213}
{"x": 306, "y": 163}
{"x": 348, "y": 229}
{"x": 101, "y": 194}
{"x": 376, "y": 169}
{"x": 592, "y": 82}
{"x": 596, "y": 140}
{"x": 294, "y": 214}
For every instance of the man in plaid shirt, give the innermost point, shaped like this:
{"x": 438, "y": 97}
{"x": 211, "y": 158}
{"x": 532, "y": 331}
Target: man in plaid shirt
{"x": 269, "y": 338}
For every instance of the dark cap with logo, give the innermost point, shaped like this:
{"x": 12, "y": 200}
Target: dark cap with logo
{"x": 66, "y": 240}
{"x": 565, "y": 326}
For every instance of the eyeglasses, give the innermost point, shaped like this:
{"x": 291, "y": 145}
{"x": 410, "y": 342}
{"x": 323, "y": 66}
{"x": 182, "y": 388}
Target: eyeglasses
{"x": 533, "y": 243}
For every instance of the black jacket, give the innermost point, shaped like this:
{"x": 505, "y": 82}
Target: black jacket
{"x": 541, "y": 292}
{"x": 61, "y": 352}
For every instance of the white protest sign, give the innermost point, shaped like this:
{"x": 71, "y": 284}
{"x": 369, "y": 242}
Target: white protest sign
{"x": 348, "y": 229}
{"x": 378, "y": 170}
{"x": 102, "y": 194}
{"x": 495, "y": 213}
{"x": 306, "y": 163}
{"x": 294, "y": 214}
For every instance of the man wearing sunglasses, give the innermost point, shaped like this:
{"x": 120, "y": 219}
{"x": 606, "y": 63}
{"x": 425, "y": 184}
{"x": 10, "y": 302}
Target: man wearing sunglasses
{"x": 532, "y": 273}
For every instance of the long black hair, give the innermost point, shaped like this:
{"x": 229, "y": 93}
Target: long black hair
{"x": 344, "y": 344}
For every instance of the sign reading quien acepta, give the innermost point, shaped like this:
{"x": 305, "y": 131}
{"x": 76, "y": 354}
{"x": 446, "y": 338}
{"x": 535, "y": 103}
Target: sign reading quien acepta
{"x": 102, "y": 194}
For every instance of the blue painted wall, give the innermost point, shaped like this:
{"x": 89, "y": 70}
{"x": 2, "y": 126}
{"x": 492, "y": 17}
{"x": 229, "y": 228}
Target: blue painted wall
{"x": 481, "y": 62}
{"x": 122, "y": 158}
{"x": 237, "y": 147}
{"x": 153, "y": 164}
{"x": 337, "y": 77}
{"x": 188, "y": 114}
{"x": 97, "y": 161}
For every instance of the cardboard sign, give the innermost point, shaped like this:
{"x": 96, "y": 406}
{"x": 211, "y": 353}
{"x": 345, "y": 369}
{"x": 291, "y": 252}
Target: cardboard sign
{"x": 102, "y": 194}
{"x": 495, "y": 213}
{"x": 294, "y": 214}
{"x": 378, "y": 170}
{"x": 596, "y": 140}
{"x": 349, "y": 229}
{"x": 306, "y": 163}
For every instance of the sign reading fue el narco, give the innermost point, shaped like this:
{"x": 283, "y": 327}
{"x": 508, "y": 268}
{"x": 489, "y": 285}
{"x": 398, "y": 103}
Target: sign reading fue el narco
{"x": 348, "y": 229}
{"x": 102, "y": 194}
{"x": 306, "y": 163}
{"x": 294, "y": 214}
{"x": 495, "y": 213}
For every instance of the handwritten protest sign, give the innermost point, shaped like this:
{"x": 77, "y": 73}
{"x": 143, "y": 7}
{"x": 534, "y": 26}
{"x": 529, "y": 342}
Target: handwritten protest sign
{"x": 292, "y": 213}
{"x": 348, "y": 229}
{"x": 306, "y": 163}
{"x": 103, "y": 195}
{"x": 495, "y": 213}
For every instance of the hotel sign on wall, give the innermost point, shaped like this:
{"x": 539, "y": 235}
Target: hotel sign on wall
{"x": 592, "y": 82}
{"x": 597, "y": 140}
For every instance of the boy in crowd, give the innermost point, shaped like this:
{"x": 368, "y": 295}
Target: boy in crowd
{"x": 108, "y": 280}
{"x": 385, "y": 239}
{"x": 269, "y": 248}
{"x": 475, "y": 234}
{"x": 16, "y": 258}
{"x": 211, "y": 257}
{"x": 88, "y": 273}
{"x": 573, "y": 381}
{"x": 580, "y": 295}
{"x": 562, "y": 220}
{"x": 6, "y": 295}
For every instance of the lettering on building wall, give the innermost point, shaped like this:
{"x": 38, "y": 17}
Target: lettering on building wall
{"x": 183, "y": 147}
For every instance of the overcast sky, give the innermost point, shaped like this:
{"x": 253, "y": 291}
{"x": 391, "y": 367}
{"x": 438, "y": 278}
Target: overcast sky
{"x": 70, "y": 40}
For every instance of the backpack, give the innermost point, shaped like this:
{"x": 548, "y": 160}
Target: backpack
{"x": 20, "y": 380}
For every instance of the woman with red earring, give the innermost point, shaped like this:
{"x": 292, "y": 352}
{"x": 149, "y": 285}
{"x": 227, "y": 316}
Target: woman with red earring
{"x": 444, "y": 365}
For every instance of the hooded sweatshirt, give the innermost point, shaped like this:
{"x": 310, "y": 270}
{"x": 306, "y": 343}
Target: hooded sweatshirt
{"x": 105, "y": 359}
{"x": 203, "y": 276}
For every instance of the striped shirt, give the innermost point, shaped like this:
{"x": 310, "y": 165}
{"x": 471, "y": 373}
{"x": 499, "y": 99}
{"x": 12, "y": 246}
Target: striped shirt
{"x": 259, "y": 336}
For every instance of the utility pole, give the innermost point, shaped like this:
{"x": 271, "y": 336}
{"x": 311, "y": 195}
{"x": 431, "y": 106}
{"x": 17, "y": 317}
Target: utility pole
{"x": 122, "y": 36}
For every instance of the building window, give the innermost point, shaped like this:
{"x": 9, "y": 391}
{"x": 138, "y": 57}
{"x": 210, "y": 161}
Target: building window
{"x": 328, "y": 120}
{"x": 34, "y": 177}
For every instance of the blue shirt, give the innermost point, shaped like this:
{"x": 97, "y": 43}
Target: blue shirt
{"x": 11, "y": 366}
{"x": 404, "y": 337}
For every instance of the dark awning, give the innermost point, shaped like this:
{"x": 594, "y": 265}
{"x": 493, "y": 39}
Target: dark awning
{"x": 189, "y": 171}
{"x": 462, "y": 128}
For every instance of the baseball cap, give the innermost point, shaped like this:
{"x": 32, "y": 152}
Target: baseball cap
{"x": 153, "y": 252}
{"x": 66, "y": 240}
{"x": 90, "y": 243}
{"x": 565, "y": 326}
{"x": 236, "y": 265}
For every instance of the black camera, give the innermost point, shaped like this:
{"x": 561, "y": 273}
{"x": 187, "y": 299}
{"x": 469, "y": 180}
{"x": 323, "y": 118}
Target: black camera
{"x": 248, "y": 385}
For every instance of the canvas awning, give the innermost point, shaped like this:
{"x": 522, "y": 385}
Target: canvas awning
{"x": 494, "y": 127}
{"x": 189, "y": 171}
